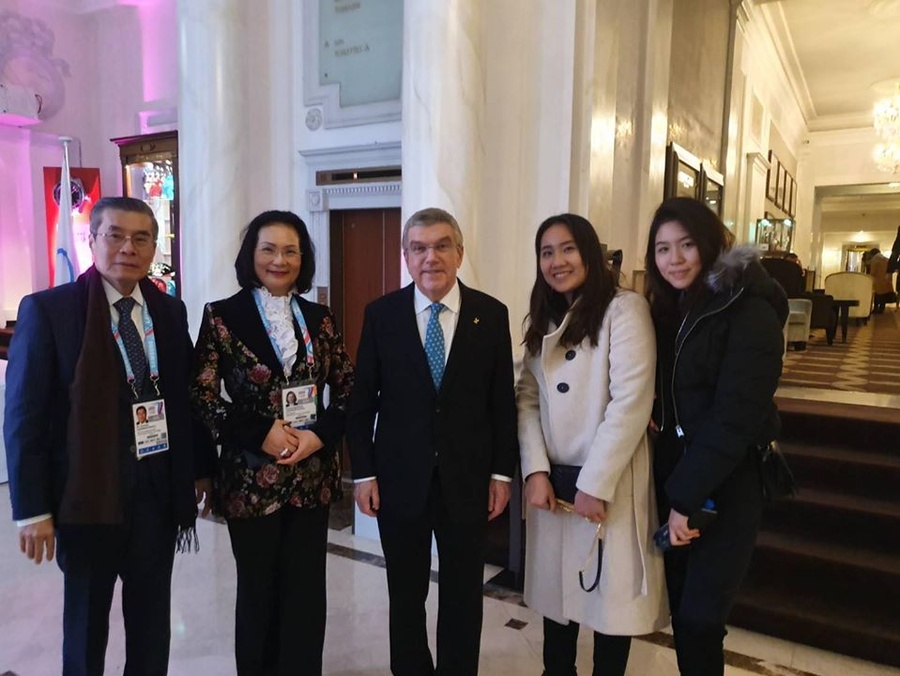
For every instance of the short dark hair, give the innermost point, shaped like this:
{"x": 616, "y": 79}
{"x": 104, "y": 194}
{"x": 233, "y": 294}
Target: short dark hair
{"x": 141, "y": 408}
{"x": 596, "y": 293}
{"x": 243, "y": 264}
{"x": 710, "y": 236}
{"x": 131, "y": 204}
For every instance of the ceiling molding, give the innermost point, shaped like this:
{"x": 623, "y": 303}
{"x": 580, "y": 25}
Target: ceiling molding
{"x": 839, "y": 122}
{"x": 843, "y": 136}
{"x": 776, "y": 24}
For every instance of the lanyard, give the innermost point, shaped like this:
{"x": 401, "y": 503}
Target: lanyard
{"x": 301, "y": 322}
{"x": 149, "y": 347}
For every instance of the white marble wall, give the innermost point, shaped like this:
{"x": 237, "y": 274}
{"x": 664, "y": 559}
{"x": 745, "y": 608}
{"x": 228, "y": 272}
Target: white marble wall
{"x": 443, "y": 111}
{"x": 216, "y": 121}
{"x": 488, "y": 128}
{"x": 629, "y": 125}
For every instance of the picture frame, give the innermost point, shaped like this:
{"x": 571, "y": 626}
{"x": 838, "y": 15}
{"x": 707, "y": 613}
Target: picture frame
{"x": 682, "y": 173}
{"x": 794, "y": 191}
{"x": 772, "y": 177}
{"x": 781, "y": 185}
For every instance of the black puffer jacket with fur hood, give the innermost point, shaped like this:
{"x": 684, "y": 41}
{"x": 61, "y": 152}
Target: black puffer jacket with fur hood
{"x": 724, "y": 371}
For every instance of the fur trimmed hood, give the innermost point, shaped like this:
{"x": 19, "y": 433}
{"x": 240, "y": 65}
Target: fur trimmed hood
{"x": 739, "y": 268}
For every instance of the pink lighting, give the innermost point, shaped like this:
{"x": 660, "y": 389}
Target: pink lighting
{"x": 159, "y": 49}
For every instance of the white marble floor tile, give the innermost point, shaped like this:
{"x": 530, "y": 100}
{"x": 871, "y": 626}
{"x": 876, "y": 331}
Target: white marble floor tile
{"x": 356, "y": 641}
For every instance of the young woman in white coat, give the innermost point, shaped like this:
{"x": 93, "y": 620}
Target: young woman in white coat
{"x": 584, "y": 397}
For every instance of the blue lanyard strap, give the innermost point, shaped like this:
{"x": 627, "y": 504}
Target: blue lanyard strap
{"x": 301, "y": 322}
{"x": 149, "y": 348}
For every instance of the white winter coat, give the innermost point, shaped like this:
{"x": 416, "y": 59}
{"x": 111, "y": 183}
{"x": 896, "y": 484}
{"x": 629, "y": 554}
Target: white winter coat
{"x": 599, "y": 423}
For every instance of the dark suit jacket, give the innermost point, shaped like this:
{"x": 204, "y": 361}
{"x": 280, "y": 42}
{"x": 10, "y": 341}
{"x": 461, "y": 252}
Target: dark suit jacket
{"x": 468, "y": 428}
{"x": 233, "y": 347}
{"x": 42, "y": 358}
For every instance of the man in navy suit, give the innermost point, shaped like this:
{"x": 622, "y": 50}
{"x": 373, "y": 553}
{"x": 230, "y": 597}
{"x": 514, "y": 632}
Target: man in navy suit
{"x": 111, "y": 499}
{"x": 435, "y": 367}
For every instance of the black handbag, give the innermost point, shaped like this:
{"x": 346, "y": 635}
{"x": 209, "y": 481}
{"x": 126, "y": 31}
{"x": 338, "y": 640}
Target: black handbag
{"x": 774, "y": 473}
{"x": 563, "y": 479}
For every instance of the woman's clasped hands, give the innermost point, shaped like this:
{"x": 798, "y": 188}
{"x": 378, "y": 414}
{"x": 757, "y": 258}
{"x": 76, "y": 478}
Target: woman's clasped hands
{"x": 290, "y": 445}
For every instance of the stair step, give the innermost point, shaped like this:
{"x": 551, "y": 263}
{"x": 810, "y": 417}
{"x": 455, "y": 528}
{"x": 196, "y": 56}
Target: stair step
{"x": 819, "y": 553}
{"x": 847, "y": 577}
{"x": 818, "y": 622}
{"x": 827, "y": 424}
{"x": 850, "y": 503}
{"x": 887, "y": 460}
{"x": 845, "y": 470}
{"x": 841, "y": 520}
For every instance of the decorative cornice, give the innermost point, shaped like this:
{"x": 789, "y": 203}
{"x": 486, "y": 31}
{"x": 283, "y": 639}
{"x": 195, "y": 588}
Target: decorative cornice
{"x": 318, "y": 199}
{"x": 351, "y": 150}
{"x": 841, "y": 122}
{"x": 742, "y": 9}
{"x": 759, "y": 161}
{"x": 777, "y": 27}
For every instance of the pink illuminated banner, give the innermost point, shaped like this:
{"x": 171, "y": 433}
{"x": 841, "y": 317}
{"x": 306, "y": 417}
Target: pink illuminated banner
{"x": 85, "y": 190}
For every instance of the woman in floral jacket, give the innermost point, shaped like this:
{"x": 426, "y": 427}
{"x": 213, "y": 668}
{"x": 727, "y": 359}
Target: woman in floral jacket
{"x": 279, "y": 468}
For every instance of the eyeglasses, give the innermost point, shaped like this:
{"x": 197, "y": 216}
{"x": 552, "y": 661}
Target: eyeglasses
{"x": 441, "y": 248}
{"x": 270, "y": 252}
{"x": 139, "y": 240}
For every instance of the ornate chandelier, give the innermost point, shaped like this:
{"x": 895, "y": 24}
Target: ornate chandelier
{"x": 887, "y": 157}
{"x": 886, "y": 117}
{"x": 886, "y": 120}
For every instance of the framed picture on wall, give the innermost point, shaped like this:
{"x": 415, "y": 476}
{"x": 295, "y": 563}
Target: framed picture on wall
{"x": 682, "y": 173}
{"x": 789, "y": 198}
{"x": 780, "y": 189}
{"x": 772, "y": 177}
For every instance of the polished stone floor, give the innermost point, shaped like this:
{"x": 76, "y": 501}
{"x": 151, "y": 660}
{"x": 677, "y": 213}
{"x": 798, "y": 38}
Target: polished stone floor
{"x": 356, "y": 642}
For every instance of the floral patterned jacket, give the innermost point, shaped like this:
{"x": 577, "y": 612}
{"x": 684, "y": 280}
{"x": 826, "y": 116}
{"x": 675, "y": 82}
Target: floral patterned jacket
{"x": 233, "y": 348}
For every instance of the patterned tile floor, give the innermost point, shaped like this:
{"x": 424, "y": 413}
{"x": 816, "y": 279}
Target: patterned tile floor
{"x": 356, "y": 640}
{"x": 868, "y": 362}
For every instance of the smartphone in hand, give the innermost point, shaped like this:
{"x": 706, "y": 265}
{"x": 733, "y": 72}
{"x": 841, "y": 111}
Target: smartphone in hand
{"x": 698, "y": 520}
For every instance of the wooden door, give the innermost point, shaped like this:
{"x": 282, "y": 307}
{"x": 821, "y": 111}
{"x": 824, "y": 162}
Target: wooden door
{"x": 365, "y": 265}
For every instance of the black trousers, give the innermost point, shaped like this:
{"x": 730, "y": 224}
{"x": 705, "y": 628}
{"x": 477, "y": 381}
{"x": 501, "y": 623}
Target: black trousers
{"x": 406, "y": 542}
{"x": 140, "y": 552}
{"x": 703, "y": 578}
{"x": 281, "y": 602}
{"x": 561, "y": 648}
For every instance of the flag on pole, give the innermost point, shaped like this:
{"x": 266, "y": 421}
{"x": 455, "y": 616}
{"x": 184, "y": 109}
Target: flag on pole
{"x": 66, "y": 269}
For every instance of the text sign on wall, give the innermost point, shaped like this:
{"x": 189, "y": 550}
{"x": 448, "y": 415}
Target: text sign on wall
{"x": 361, "y": 49}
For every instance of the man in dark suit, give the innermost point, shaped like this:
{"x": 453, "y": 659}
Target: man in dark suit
{"x": 112, "y": 499}
{"x": 435, "y": 367}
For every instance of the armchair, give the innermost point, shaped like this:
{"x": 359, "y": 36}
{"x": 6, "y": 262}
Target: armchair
{"x": 790, "y": 276}
{"x": 798, "y": 323}
{"x": 852, "y": 286}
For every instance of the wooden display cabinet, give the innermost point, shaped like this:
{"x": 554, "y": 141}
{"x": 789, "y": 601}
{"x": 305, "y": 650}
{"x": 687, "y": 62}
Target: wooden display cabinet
{"x": 150, "y": 173}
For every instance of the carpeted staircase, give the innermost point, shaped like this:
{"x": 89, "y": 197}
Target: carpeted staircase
{"x": 826, "y": 571}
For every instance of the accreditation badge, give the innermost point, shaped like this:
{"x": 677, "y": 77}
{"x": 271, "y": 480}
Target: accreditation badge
{"x": 299, "y": 405}
{"x": 151, "y": 434}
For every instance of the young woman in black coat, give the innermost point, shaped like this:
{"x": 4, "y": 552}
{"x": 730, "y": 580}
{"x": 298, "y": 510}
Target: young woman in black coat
{"x": 719, "y": 319}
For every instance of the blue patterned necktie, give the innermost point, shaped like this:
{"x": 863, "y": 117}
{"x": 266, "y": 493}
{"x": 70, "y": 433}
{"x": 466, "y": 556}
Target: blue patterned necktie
{"x": 434, "y": 344}
{"x": 134, "y": 346}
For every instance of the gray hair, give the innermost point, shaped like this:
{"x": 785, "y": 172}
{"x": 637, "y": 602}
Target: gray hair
{"x": 131, "y": 204}
{"x": 428, "y": 217}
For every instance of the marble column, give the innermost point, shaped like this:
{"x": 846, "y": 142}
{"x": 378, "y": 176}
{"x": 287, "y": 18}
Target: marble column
{"x": 443, "y": 106}
{"x": 487, "y": 128}
{"x": 214, "y": 126}
{"x": 629, "y": 125}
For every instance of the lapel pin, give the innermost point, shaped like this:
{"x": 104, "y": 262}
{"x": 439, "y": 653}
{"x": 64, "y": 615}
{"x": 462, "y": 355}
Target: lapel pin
{"x": 476, "y": 320}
